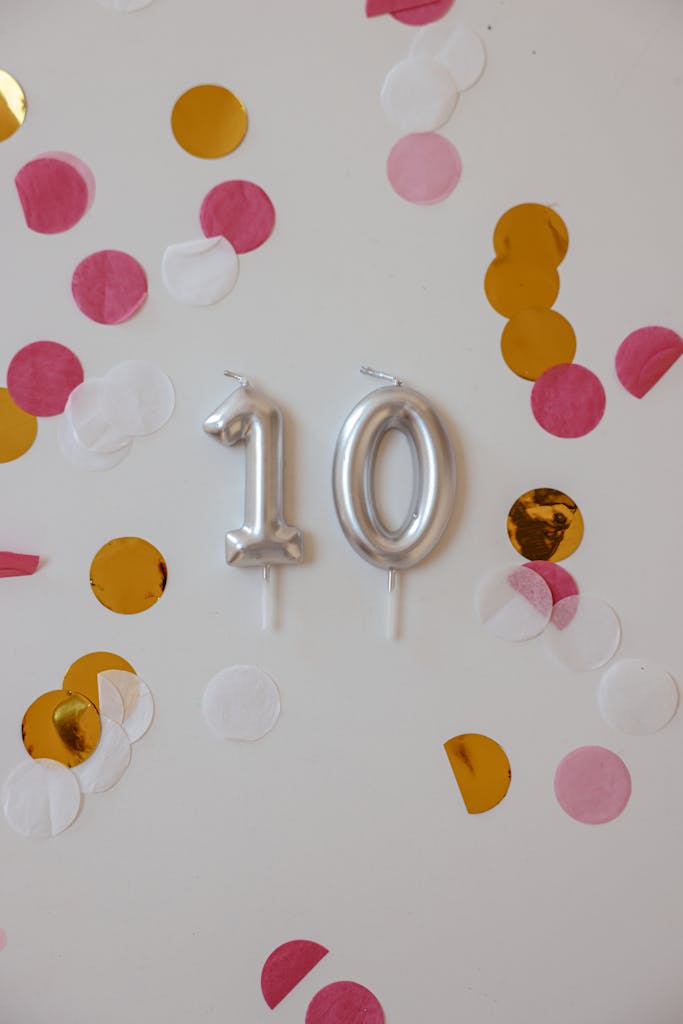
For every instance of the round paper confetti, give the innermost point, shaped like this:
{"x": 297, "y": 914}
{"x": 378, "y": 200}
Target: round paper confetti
{"x": 209, "y": 121}
{"x": 54, "y": 195}
{"x": 61, "y": 725}
{"x": 545, "y": 525}
{"x": 109, "y": 286}
{"x": 532, "y": 233}
{"x": 512, "y": 286}
{"x": 568, "y": 400}
{"x": 200, "y": 272}
{"x": 241, "y": 703}
{"x": 593, "y": 785}
{"x": 137, "y": 398}
{"x": 128, "y": 575}
{"x": 535, "y": 339}
{"x": 424, "y": 167}
{"x": 79, "y": 166}
{"x": 583, "y": 633}
{"x": 561, "y": 583}
{"x": 86, "y": 458}
{"x": 83, "y": 411}
{"x": 645, "y": 356}
{"x": 108, "y": 762}
{"x": 12, "y": 105}
{"x": 425, "y": 13}
{"x": 125, "y": 6}
{"x": 514, "y": 603}
{"x": 481, "y": 768}
{"x": 18, "y": 429}
{"x": 418, "y": 95}
{"x": 41, "y": 798}
{"x": 41, "y": 376}
{"x": 110, "y": 701}
{"x": 241, "y": 212}
{"x": 287, "y": 966}
{"x": 138, "y": 703}
{"x": 455, "y": 46}
{"x": 637, "y": 697}
{"x": 344, "y": 1002}
{"x": 82, "y": 675}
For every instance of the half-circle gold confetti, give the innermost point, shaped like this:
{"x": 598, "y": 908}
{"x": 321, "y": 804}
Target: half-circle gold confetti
{"x": 209, "y": 121}
{"x": 18, "y": 429}
{"x": 512, "y": 285}
{"x": 62, "y": 725}
{"x": 82, "y": 675}
{"x": 12, "y": 105}
{"x": 545, "y": 525}
{"x": 536, "y": 339}
{"x": 128, "y": 575}
{"x": 481, "y": 769}
{"x": 531, "y": 233}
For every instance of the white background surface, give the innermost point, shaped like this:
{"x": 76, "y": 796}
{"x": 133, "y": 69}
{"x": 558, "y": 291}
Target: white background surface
{"x": 345, "y": 824}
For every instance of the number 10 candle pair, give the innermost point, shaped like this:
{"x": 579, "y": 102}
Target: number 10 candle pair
{"x": 265, "y": 540}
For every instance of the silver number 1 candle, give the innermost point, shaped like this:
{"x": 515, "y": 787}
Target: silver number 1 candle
{"x": 264, "y": 539}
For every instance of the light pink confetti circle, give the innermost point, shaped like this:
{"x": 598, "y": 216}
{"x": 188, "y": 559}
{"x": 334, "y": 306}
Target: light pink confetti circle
{"x": 53, "y": 192}
{"x": 424, "y": 14}
{"x": 560, "y": 582}
{"x": 592, "y": 785}
{"x": 3, "y": 939}
{"x": 424, "y": 167}
{"x": 41, "y": 376}
{"x": 644, "y": 356}
{"x": 568, "y": 400}
{"x": 344, "y": 1002}
{"x": 109, "y": 286}
{"x": 239, "y": 211}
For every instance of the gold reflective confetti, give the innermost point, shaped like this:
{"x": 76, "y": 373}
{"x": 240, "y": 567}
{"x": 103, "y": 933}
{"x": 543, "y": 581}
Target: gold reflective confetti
{"x": 128, "y": 575}
{"x": 82, "y": 675}
{"x": 536, "y": 339}
{"x": 545, "y": 525}
{"x": 18, "y": 429}
{"x": 62, "y": 725}
{"x": 532, "y": 233}
{"x": 511, "y": 285}
{"x": 481, "y": 769}
{"x": 12, "y": 105}
{"x": 209, "y": 121}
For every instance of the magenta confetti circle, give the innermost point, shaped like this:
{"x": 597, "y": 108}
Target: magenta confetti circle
{"x": 109, "y": 286}
{"x": 424, "y": 167}
{"x": 239, "y": 211}
{"x": 593, "y": 785}
{"x": 568, "y": 400}
{"x": 344, "y": 1002}
{"x": 560, "y": 582}
{"x": 53, "y": 193}
{"x": 41, "y": 376}
{"x": 424, "y": 14}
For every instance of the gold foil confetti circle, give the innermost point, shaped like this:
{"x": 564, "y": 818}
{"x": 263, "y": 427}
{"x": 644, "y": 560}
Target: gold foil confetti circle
{"x": 481, "y": 769}
{"x": 12, "y": 105}
{"x": 18, "y": 429}
{"x": 512, "y": 285}
{"x": 128, "y": 575}
{"x": 536, "y": 339}
{"x": 209, "y": 121}
{"x": 62, "y": 725}
{"x": 545, "y": 525}
{"x": 531, "y": 233}
{"x": 82, "y": 675}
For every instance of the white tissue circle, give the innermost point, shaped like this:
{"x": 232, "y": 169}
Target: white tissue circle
{"x": 637, "y": 697}
{"x": 455, "y": 46}
{"x": 137, "y": 397}
{"x": 419, "y": 94}
{"x": 241, "y": 703}
{"x": 200, "y": 272}
{"x": 75, "y": 453}
{"x": 583, "y": 632}
{"x": 138, "y": 703}
{"x": 108, "y": 761}
{"x": 110, "y": 701}
{"x": 514, "y": 603}
{"x": 41, "y": 798}
{"x": 93, "y": 431}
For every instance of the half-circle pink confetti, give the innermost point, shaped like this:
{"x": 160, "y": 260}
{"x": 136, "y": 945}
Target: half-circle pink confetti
{"x": 239, "y": 211}
{"x": 592, "y": 785}
{"x": 344, "y": 1002}
{"x": 514, "y": 603}
{"x": 560, "y": 582}
{"x": 645, "y": 356}
{"x": 425, "y": 13}
{"x": 42, "y": 375}
{"x": 13, "y": 564}
{"x": 568, "y": 400}
{"x": 287, "y": 966}
{"x": 54, "y": 192}
{"x": 423, "y": 167}
{"x": 109, "y": 286}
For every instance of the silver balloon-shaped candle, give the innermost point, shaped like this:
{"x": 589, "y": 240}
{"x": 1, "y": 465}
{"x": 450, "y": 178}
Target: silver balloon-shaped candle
{"x": 264, "y": 539}
{"x": 393, "y": 407}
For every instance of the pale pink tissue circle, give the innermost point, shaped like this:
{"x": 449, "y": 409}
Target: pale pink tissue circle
{"x": 423, "y": 167}
{"x": 568, "y": 400}
{"x": 425, "y": 13}
{"x": 592, "y": 785}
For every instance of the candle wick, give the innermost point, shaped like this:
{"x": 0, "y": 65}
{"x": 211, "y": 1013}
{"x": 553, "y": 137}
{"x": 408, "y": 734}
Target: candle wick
{"x": 369, "y": 372}
{"x": 243, "y": 381}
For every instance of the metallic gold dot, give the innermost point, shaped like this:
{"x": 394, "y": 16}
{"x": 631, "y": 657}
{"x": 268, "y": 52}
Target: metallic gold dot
{"x": 82, "y": 675}
{"x": 12, "y": 105}
{"x": 18, "y": 429}
{"x": 536, "y": 339}
{"x": 481, "y": 769}
{"x": 531, "y": 233}
{"x": 209, "y": 121}
{"x": 128, "y": 575}
{"x": 512, "y": 285}
{"x": 545, "y": 525}
{"x": 62, "y": 725}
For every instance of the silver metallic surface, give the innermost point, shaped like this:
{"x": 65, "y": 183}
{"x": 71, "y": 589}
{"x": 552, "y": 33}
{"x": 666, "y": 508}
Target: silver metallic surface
{"x": 353, "y": 477}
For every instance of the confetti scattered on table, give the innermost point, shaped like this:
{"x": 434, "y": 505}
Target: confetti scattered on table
{"x": 532, "y": 233}
{"x": 560, "y": 582}
{"x": 12, "y": 105}
{"x": 534, "y": 340}
{"x": 592, "y": 785}
{"x": 82, "y": 675}
{"x": 109, "y": 286}
{"x": 137, "y": 398}
{"x": 583, "y": 633}
{"x": 514, "y": 603}
{"x": 512, "y": 285}
{"x": 241, "y": 212}
{"x": 61, "y": 725}
{"x": 209, "y": 121}
{"x": 128, "y": 575}
{"x": 644, "y": 356}
{"x": 200, "y": 272}
{"x": 241, "y": 702}
{"x": 418, "y": 95}
{"x": 344, "y": 1002}
{"x": 55, "y": 191}
{"x": 423, "y": 167}
{"x": 456, "y": 46}
{"x": 86, "y": 458}
{"x": 13, "y": 564}
{"x": 545, "y": 525}
{"x": 568, "y": 400}
{"x": 18, "y": 429}
{"x": 287, "y": 966}
{"x": 637, "y": 697}
{"x": 481, "y": 768}
{"x": 137, "y": 700}
{"x": 41, "y": 376}
{"x": 85, "y": 416}
{"x": 41, "y": 798}
{"x": 108, "y": 762}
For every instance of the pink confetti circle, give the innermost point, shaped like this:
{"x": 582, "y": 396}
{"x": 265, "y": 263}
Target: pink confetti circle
{"x": 53, "y": 192}
{"x": 424, "y": 167}
{"x": 109, "y": 286}
{"x": 593, "y": 785}
{"x": 568, "y": 400}
{"x": 3, "y": 939}
{"x": 425, "y": 13}
{"x": 41, "y": 376}
{"x": 344, "y": 1002}
{"x": 644, "y": 356}
{"x": 239, "y": 211}
{"x": 560, "y": 582}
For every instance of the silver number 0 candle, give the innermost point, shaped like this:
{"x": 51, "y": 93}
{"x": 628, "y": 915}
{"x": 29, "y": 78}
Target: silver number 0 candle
{"x": 393, "y": 407}
{"x": 264, "y": 539}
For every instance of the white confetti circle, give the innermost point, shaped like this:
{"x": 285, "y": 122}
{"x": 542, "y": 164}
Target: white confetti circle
{"x": 108, "y": 761}
{"x": 93, "y": 431}
{"x": 138, "y": 702}
{"x": 583, "y": 632}
{"x": 419, "y": 94}
{"x": 200, "y": 272}
{"x": 83, "y": 458}
{"x": 637, "y": 697}
{"x": 137, "y": 397}
{"x": 41, "y": 798}
{"x": 241, "y": 703}
{"x": 457, "y": 47}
